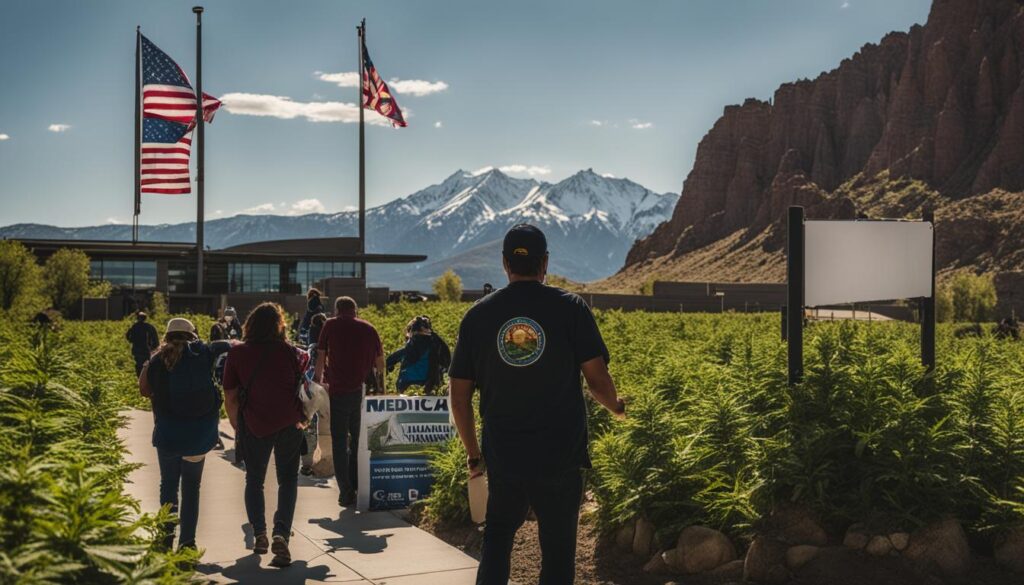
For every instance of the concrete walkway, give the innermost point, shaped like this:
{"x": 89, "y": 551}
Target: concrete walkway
{"x": 329, "y": 544}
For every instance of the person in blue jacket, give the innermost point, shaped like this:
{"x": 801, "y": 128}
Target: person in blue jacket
{"x": 424, "y": 358}
{"x": 178, "y": 380}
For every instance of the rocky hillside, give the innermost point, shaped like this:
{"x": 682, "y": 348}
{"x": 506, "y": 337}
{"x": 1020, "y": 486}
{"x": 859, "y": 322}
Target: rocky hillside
{"x": 933, "y": 117}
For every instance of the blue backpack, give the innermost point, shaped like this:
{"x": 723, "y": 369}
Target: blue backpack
{"x": 190, "y": 391}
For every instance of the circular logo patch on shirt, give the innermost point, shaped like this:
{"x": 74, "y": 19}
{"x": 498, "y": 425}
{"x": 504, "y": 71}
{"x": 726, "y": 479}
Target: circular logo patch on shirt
{"x": 520, "y": 341}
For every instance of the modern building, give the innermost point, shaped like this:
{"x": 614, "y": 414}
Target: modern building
{"x": 240, "y": 276}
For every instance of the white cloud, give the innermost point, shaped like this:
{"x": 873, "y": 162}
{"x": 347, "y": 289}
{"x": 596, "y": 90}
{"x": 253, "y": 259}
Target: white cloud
{"x": 219, "y": 212}
{"x": 638, "y": 125}
{"x": 257, "y": 104}
{"x": 6, "y": 137}
{"x": 114, "y": 221}
{"x": 437, "y": 124}
{"x": 608, "y": 175}
{"x": 304, "y": 206}
{"x": 59, "y": 127}
{"x": 844, "y": 5}
{"x": 598, "y": 123}
{"x": 300, "y": 207}
{"x": 344, "y": 79}
{"x": 260, "y": 209}
{"x": 517, "y": 169}
{"x": 416, "y": 87}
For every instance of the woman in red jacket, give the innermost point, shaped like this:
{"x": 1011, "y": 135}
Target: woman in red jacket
{"x": 260, "y": 380}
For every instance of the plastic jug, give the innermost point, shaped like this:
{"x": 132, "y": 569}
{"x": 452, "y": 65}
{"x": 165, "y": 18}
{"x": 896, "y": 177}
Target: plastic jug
{"x": 478, "y": 498}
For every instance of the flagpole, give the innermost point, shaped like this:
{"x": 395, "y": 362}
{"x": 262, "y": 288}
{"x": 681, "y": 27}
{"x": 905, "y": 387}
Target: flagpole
{"x": 138, "y": 133}
{"x": 362, "y": 149}
{"x": 200, "y": 124}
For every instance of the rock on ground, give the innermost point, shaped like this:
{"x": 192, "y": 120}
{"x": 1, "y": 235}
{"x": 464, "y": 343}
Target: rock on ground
{"x": 878, "y": 546}
{"x": 1009, "y": 550}
{"x": 799, "y": 555}
{"x": 942, "y": 548}
{"x": 798, "y": 526}
{"x": 624, "y": 537}
{"x": 766, "y": 561}
{"x": 701, "y": 549}
{"x": 856, "y": 537}
{"x": 643, "y": 538}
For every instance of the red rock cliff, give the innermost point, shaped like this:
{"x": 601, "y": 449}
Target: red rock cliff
{"x": 942, "y": 103}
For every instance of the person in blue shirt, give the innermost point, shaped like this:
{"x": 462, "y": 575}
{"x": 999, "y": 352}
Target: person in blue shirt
{"x": 424, "y": 358}
{"x": 178, "y": 380}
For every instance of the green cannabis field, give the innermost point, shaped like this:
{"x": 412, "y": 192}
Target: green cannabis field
{"x": 63, "y": 518}
{"x": 714, "y": 435}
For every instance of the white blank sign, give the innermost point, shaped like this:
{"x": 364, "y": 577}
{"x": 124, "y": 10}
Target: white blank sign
{"x": 860, "y": 261}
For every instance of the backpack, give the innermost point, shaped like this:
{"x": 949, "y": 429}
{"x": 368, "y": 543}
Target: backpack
{"x": 190, "y": 391}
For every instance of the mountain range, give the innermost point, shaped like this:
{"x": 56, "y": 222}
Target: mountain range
{"x": 932, "y": 118}
{"x": 590, "y": 221}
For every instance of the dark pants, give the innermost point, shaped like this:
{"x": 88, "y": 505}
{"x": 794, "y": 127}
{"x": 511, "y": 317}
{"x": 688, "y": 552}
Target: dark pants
{"x": 177, "y": 473}
{"x": 345, "y": 417}
{"x": 285, "y": 446}
{"x": 140, "y": 360}
{"x": 555, "y": 501}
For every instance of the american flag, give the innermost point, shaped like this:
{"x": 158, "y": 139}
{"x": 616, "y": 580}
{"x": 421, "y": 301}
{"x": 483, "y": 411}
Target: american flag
{"x": 168, "y": 117}
{"x": 376, "y": 94}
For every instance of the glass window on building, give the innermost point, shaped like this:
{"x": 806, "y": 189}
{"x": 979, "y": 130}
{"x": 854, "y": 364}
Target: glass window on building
{"x": 181, "y": 277}
{"x": 246, "y": 277}
{"x": 137, "y": 274}
{"x": 307, "y": 274}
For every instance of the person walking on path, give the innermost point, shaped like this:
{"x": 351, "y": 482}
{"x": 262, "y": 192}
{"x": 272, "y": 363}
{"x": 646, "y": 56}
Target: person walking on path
{"x": 261, "y": 377}
{"x": 178, "y": 380}
{"x": 348, "y": 352}
{"x": 227, "y": 327}
{"x": 144, "y": 339}
{"x": 524, "y": 347}
{"x": 314, "y": 305}
{"x": 424, "y": 358}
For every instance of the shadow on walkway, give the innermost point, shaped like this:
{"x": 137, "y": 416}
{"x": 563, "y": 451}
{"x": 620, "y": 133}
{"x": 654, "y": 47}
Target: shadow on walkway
{"x": 352, "y": 529}
{"x": 248, "y": 570}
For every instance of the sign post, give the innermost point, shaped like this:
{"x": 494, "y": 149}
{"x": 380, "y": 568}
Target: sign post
{"x": 795, "y": 294}
{"x": 927, "y": 310}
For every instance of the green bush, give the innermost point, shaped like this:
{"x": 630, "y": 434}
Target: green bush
{"x": 20, "y": 279}
{"x": 967, "y": 298}
{"x": 448, "y": 287}
{"x": 66, "y": 274}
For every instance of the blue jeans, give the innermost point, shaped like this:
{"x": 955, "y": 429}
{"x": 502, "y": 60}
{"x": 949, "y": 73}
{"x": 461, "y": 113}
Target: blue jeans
{"x": 284, "y": 444}
{"x": 177, "y": 473}
{"x": 555, "y": 501}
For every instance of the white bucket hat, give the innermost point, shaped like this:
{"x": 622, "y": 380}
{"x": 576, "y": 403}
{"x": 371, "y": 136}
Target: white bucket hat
{"x": 181, "y": 325}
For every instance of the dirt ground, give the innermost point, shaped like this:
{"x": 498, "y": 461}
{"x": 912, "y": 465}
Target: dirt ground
{"x": 598, "y": 563}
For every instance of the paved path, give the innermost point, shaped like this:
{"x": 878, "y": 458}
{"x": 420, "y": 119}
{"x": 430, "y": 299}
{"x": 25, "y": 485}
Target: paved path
{"x": 330, "y": 544}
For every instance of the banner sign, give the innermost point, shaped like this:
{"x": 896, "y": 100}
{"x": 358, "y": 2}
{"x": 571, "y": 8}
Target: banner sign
{"x": 396, "y": 434}
{"x": 861, "y": 261}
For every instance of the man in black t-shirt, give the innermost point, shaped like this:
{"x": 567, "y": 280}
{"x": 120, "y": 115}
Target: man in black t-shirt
{"x": 524, "y": 347}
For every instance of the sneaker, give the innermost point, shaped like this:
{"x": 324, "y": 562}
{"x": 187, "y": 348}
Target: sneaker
{"x": 282, "y": 556}
{"x": 260, "y": 544}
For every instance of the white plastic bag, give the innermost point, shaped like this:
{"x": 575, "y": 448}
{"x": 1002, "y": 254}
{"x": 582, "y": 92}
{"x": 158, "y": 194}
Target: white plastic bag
{"x": 313, "y": 396}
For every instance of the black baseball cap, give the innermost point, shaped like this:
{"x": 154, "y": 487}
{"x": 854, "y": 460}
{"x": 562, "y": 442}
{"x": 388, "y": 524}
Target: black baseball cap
{"x": 524, "y": 240}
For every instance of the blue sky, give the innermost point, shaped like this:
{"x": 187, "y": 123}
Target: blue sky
{"x": 546, "y": 88}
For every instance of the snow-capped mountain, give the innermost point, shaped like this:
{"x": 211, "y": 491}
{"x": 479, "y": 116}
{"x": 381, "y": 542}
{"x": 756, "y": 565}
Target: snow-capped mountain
{"x": 590, "y": 221}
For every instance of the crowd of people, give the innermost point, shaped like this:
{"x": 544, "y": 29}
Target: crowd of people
{"x": 525, "y": 347}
